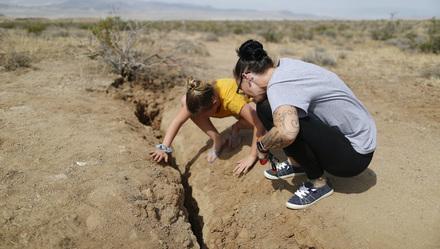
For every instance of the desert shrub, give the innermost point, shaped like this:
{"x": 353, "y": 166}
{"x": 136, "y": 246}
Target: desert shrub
{"x": 239, "y": 30}
{"x": 8, "y": 25}
{"x": 117, "y": 47}
{"x": 210, "y": 37}
{"x": 35, "y": 27}
{"x": 385, "y": 32}
{"x": 330, "y": 33}
{"x": 32, "y": 26}
{"x": 56, "y": 31}
{"x": 191, "y": 48}
{"x": 432, "y": 71}
{"x": 347, "y": 34}
{"x": 342, "y": 55}
{"x": 299, "y": 32}
{"x": 106, "y": 31}
{"x": 325, "y": 30}
{"x": 271, "y": 35}
{"x": 287, "y": 51}
{"x": 433, "y": 42}
{"x": 401, "y": 42}
{"x": 12, "y": 60}
{"x": 320, "y": 56}
{"x": 343, "y": 26}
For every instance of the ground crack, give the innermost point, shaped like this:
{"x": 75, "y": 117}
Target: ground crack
{"x": 192, "y": 208}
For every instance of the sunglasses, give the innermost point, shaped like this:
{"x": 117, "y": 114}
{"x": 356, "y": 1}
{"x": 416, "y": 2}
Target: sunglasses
{"x": 239, "y": 90}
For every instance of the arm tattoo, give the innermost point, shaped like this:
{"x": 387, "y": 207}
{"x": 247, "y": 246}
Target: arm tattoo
{"x": 285, "y": 130}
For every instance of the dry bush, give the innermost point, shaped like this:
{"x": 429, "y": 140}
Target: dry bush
{"x": 342, "y": 55}
{"x": 286, "y": 51}
{"x": 272, "y": 35}
{"x": 10, "y": 58}
{"x": 320, "y": 56}
{"x": 211, "y": 37}
{"x": 118, "y": 45}
{"x": 432, "y": 44}
{"x": 299, "y": 32}
{"x": 410, "y": 42}
{"x": 386, "y": 31}
{"x": 55, "y": 32}
{"x": 432, "y": 71}
{"x": 188, "y": 47}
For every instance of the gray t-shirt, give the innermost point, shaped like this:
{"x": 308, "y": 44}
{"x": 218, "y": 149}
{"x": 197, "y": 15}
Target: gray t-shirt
{"x": 313, "y": 89}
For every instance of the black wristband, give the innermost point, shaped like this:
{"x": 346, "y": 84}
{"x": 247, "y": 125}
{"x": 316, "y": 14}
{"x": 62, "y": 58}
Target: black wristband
{"x": 260, "y": 147}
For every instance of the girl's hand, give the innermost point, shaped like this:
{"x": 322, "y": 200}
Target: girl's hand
{"x": 214, "y": 152}
{"x": 212, "y": 155}
{"x": 244, "y": 165}
{"x": 157, "y": 155}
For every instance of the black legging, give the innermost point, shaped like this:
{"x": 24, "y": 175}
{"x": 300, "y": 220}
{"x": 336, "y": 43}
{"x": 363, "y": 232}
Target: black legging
{"x": 319, "y": 147}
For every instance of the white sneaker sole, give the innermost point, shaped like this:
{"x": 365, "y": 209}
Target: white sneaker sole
{"x": 294, "y": 206}
{"x": 272, "y": 177}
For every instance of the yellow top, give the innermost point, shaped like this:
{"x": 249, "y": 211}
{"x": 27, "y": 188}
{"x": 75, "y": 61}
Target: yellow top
{"x": 230, "y": 101}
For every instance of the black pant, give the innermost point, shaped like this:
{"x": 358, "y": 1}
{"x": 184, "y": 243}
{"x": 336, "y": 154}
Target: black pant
{"x": 319, "y": 147}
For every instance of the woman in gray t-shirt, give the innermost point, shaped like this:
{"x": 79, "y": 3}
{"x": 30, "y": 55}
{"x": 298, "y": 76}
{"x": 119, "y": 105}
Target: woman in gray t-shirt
{"x": 310, "y": 113}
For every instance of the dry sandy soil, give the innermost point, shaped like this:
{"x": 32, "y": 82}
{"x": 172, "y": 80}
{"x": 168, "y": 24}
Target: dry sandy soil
{"x": 75, "y": 173}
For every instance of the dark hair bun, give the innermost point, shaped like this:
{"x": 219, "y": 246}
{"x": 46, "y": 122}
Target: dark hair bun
{"x": 251, "y": 50}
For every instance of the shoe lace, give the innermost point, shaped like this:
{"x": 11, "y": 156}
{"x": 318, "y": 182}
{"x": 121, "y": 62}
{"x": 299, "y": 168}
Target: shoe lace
{"x": 282, "y": 165}
{"x": 302, "y": 192}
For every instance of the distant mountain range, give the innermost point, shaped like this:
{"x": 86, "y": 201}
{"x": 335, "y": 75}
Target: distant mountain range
{"x": 145, "y": 10}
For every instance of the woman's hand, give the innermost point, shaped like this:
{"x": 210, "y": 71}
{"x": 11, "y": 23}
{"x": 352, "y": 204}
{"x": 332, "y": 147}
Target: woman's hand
{"x": 244, "y": 165}
{"x": 157, "y": 155}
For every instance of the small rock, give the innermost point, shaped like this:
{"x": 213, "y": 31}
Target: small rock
{"x": 148, "y": 193}
{"x": 244, "y": 234}
{"x": 81, "y": 164}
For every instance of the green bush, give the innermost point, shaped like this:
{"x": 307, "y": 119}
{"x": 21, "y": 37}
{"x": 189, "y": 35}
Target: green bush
{"x": 8, "y": 25}
{"x": 271, "y": 35}
{"x": 35, "y": 27}
{"x": 386, "y": 32}
{"x": 31, "y": 26}
{"x": 432, "y": 45}
{"x": 299, "y": 32}
{"x": 104, "y": 29}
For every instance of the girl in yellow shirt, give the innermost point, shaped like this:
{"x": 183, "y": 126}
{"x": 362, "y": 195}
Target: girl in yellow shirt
{"x": 220, "y": 99}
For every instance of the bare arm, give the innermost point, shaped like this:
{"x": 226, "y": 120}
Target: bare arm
{"x": 285, "y": 130}
{"x": 183, "y": 115}
{"x": 249, "y": 114}
{"x": 205, "y": 124}
{"x": 175, "y": 125}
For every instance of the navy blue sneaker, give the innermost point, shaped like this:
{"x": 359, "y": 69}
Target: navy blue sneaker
{"x": 284, "y": 170}
{"x": 306, "y": 195}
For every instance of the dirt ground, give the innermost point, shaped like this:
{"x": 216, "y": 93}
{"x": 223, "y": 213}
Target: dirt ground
{"x": 393, "y": 204}
{"x": 75, "y": 172}
{"x": 74, "y": 169}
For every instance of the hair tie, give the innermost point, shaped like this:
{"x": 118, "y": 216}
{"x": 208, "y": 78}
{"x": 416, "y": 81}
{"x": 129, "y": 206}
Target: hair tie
{"x": 192, "y": 84}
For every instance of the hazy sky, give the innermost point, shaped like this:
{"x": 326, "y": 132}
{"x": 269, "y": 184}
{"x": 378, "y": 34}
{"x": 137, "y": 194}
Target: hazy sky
{"x": 331, "y": 8}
